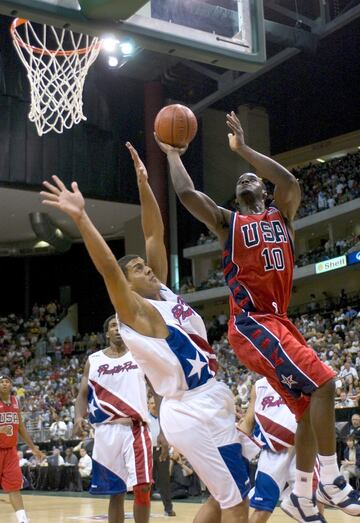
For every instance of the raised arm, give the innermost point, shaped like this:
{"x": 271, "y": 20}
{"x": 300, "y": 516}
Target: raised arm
{"x": 131, "y": 308}
{"x": 197, "y": 203}
{"x": 151, "y": 220}
{"x": 287, "y": 193}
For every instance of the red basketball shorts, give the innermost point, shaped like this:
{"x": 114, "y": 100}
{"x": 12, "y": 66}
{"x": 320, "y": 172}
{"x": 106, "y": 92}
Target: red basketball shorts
{"x": 11, "y": 478}
{"x": 273, "y": 347}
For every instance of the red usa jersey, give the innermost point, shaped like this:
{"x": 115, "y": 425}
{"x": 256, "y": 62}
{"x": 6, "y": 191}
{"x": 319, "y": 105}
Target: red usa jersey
{"x": 9, "y": 417}
{"x": 258, "y": 263}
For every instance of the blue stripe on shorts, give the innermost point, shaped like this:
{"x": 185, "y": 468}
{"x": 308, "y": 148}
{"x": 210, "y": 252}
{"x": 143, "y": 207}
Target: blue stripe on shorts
{"x": 105, "y": 482}
{"x": 238, "y": 466}
{"x": 266, "y": 493}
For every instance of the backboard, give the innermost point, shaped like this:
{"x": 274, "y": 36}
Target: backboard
{"x": 225, "y": 33}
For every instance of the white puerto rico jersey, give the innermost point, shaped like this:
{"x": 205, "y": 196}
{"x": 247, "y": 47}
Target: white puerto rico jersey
{"x": 275, "y": 424}
{"x": 181, "y": 362}
{"x": 116, "y": 389}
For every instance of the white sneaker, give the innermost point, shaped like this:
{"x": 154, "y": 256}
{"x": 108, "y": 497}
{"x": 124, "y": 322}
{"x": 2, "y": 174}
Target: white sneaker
{"x": 341, "y": 495}
{"x": 303, "y": 510}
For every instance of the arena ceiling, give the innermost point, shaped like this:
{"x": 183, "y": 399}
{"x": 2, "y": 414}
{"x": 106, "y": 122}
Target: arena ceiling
{"x": 16, "y": 205}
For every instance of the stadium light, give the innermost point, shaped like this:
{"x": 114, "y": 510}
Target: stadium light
{"x": 127, "y": 48}
{"x": 113, "y": 61}
{"x": 42, "y": 245}
{"x": 109, "y": 44}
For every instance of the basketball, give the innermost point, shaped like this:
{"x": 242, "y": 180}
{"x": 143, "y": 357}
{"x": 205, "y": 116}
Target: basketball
{"x": 176, "y": 125}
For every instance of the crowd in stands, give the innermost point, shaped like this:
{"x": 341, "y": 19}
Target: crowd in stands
{"x": 326, "y": 251}
{"x": 325, "y": 185}
{"x": 20, "y": 338}
{"x": 47, "y": 386}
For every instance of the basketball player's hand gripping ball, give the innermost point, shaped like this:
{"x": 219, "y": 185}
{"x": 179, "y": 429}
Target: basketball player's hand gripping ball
{"x": 175, "y": 125}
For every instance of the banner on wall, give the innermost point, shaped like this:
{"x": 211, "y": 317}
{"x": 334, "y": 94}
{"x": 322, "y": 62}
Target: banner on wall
{"x": 353, "y": 257}
{"x": 330, "y": 265}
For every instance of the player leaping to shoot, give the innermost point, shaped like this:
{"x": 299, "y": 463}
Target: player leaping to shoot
{"x": 168, "y": 340}
{"x": 258, "y": 261}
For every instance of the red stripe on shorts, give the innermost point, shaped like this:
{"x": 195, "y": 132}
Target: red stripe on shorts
{"x": 142, "y": 451}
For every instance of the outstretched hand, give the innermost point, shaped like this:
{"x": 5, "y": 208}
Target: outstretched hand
{"x": 169, "y": 148}
{"x": 141, "y": 172}
{"x": 236, "y": 137}
{"x": 57, "y": 195}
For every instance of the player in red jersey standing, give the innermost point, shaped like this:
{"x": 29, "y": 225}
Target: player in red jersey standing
{"x": 11, "y": 425}
{"x": 258, "y": 261}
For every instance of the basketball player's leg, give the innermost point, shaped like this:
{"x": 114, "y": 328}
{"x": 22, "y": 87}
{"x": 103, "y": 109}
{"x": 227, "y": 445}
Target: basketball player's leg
{"x": 116, "y": 512}
{"x": 208, "y": 418}
{"x": 18, "y": 506}
{"x": 303, "y": 378}
{"x": 11, "y": 482}
{"x": 142, "y": 503}
{"x": 210, "y": 512}
{"x": 260, "y": 516}
{"x": 138, "y": 460}
{"x": 316, "y": 427}
{"x": 295, "y": 372}
{"x": 273, "y": 473}
{"x": 237, "y": 514}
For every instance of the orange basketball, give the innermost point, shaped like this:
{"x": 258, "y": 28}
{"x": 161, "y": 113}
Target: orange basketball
{"x": 176, "y": 125}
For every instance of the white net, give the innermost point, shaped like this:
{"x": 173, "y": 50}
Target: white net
{"x": 56, "y": 75}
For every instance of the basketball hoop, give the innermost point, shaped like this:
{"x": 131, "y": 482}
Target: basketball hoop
{"x": 56, "y": 75}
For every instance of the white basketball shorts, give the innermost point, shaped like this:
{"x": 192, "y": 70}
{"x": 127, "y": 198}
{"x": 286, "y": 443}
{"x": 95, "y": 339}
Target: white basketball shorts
{"x": 122, "y": 458}
{"x": 274, "y": 471}
{"x": 201, "y": 426}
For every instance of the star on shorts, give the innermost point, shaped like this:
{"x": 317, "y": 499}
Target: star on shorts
{"x": 288, "y": 380}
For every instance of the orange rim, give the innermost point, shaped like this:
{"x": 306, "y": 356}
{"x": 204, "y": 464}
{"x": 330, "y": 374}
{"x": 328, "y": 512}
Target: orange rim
{"x": 38, "y": 50}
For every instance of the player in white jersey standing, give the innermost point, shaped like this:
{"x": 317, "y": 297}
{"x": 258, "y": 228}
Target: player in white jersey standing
{"x": 169, "y": 340}
{"x": 113, "y": 394}
{"x": 273, "y": 425}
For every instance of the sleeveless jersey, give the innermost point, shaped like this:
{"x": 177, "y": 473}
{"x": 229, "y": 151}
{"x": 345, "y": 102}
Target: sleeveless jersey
{"x": 116, "y": 389}
{"x": 181, "y": 362}
{"x": 9, "y": 415}
{"x": 258, "y": 263}
{"x": 275, "y": 424}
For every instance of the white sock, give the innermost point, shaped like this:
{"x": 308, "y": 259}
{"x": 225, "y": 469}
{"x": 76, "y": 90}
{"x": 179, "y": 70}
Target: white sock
{"x": 21, "y": 516}
{"x": 329, "y": 469}
{"x": 303, "y": 484}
